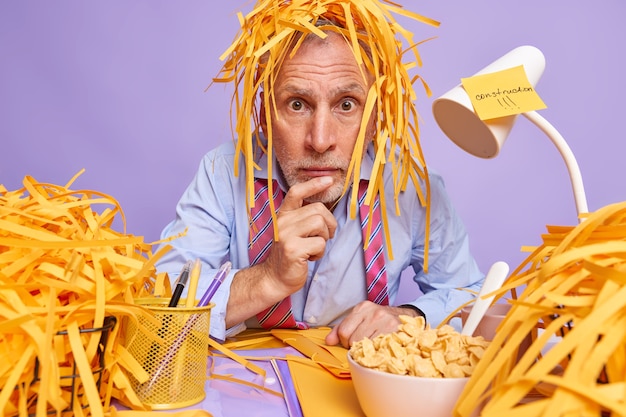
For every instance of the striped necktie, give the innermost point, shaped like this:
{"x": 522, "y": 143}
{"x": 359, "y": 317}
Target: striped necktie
{"x": 262, "y": 233}
{"x": 373, "y": 253}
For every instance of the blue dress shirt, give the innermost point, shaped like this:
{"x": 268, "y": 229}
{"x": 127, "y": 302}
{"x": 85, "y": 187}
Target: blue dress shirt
{"x": 213, "y": 212}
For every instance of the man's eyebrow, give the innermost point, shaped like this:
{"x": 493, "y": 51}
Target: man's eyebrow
{"x": 349, "y": 88}
{"x": 293, "y": 89}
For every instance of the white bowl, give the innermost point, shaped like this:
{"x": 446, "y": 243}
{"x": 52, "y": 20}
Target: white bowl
{"x": 382, "y": 394}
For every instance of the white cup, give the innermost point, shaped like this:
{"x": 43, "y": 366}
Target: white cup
{"x": 490, "y": 321}
{"x": 488, "y": 326}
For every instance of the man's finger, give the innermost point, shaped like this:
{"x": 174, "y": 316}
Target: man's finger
{"x": 332, "y": 338}
{"x": 299, "y": 192}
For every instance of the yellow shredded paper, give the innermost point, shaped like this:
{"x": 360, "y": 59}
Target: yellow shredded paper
{"x": 573, "y": 308}
{"x": 387, "y": 50}
{"x": 67, "y": 278}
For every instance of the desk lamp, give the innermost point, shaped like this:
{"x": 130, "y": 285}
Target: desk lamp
{"x": 456, "y": 117}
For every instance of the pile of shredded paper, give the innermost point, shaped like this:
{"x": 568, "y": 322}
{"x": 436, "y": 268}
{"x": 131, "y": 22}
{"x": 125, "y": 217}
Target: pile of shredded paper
{"x": 573, "y": 305}
{"x": 64, "y": 273}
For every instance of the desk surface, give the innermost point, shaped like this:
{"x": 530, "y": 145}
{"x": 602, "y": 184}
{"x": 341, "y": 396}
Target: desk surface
{"x": 292, "y": 382}
{"x": 242, "y": 395}
{"x": 229, "y": 399}
{"x": 233, "y": 390}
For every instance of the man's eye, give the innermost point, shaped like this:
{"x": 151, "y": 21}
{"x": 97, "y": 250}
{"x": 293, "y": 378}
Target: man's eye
{"x": 347, "y": 106}
{"x": 296, "y": 105}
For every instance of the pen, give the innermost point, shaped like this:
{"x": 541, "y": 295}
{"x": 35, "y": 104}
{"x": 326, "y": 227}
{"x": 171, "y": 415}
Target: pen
{"x": 215, "y": 284}
{"x": 180, "y": 284}
{"x": 191, "y": 321}
{"x": 178, "y": 289}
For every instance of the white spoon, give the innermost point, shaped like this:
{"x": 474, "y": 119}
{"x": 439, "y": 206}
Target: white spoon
{"x": 494, "y": 279}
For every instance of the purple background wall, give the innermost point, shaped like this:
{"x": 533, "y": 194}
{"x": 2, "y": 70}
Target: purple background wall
{"x": 117, "y": 87}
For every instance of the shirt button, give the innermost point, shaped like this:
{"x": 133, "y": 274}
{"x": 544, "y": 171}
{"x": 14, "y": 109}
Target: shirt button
{"x": 312, "y": 320}
{"x": 315, "y": 278}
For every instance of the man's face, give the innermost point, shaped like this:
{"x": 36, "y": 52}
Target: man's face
{"x": 320, "y": 98}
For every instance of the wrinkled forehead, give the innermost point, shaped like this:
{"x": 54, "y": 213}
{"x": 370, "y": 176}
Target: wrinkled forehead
{"x": 330, "y": 28}
{"x": 334, "y": 36}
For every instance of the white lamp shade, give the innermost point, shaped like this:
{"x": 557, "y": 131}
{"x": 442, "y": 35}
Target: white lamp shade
{"x": 455, "y": 114}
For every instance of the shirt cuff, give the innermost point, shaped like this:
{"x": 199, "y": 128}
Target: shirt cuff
{"x": 235, "y": 330}
{"x": 417, "y": 310}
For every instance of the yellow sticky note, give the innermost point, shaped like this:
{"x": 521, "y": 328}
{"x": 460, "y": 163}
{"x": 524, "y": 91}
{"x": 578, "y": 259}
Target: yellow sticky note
{"x": 502, "y": 93}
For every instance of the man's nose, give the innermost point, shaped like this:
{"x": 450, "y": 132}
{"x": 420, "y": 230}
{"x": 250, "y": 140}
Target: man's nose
{"x": 323, "y": 131}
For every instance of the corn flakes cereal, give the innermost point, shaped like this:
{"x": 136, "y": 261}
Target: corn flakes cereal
{"x": 417, "y": 350}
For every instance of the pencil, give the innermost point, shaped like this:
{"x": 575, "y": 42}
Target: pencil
{"x": 193, "y": 284}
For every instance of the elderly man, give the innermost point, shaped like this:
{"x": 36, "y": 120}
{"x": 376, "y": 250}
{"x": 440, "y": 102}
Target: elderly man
{"x": 323, "y": 199}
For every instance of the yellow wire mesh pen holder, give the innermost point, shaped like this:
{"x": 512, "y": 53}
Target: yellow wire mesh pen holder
{"x": 173, "y": 351}
{"x": 71, "y": 381}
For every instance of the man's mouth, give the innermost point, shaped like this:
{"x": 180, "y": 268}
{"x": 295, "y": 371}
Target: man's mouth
{"x": 319, "y": 171}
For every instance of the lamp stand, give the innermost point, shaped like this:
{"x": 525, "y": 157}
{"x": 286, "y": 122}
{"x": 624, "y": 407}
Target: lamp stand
{"x": 568, "y": 156}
